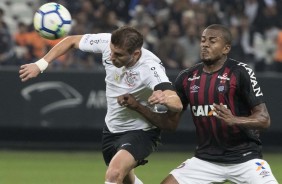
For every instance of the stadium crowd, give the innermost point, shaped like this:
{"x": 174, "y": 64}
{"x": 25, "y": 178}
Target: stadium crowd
{"x": 171, "y": 29}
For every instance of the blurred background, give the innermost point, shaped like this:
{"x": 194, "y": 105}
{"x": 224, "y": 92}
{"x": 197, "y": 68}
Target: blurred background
{"x": 64, "y": 107}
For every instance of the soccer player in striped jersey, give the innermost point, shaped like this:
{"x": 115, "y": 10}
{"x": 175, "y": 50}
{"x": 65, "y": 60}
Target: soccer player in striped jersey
{"x": 228, "y": 111}
{"x": 131, "y": 71}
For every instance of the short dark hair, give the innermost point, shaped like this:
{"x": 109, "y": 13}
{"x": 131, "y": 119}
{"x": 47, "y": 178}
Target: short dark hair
{"x": 128, "y": 38}
{"x": 227, "y": 36}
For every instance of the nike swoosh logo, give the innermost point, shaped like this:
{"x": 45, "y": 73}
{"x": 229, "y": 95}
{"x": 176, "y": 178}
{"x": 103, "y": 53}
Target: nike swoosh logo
{"x": 126, "y": 144}
{"x": 107, "y": 62}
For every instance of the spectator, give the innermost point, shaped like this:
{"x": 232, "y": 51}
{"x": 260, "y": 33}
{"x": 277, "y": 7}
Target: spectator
{"x": 169, "y": 50}
{"x": 190, "y": 43}
{"x": 278, "y": 53}
{"x": 7, "y": 54}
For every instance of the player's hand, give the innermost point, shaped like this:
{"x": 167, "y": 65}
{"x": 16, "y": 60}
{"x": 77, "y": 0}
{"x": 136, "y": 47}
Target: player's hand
{"x": 28, "y": 71}
{"x": 157, "y": 97}
{"x": 128, "y": 100}
{"x": 224, "y": 114}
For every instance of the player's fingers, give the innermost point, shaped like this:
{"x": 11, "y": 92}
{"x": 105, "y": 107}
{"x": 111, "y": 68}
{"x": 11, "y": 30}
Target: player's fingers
{"x": 24, "y": 78}
{"x": 23, "y": 67}
{"x": 23, "y": 75}
{"x": 119, "y": 99}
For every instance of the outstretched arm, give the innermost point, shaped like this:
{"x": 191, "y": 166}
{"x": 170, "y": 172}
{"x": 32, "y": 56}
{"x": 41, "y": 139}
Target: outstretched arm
{"x": 32, "y": 70}
{"x": 166, "y": 121}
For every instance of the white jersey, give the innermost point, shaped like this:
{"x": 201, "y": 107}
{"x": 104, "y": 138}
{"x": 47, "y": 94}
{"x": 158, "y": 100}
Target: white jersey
{"x": 138, "y": 80}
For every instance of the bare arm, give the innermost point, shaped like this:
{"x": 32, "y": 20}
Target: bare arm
{"x": 166, "y": 121}
{"x": 168, "y": 98}
{"x": 32, "y": 70}
{"x": 259, "y": 119}
{"x": 62, "y": 47}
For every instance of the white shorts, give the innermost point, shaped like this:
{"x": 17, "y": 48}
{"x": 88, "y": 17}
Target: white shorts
{"x": 197, "y": 171}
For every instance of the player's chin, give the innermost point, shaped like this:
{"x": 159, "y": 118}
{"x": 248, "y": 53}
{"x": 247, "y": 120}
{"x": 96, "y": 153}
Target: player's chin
{"x": 118, "y": 65}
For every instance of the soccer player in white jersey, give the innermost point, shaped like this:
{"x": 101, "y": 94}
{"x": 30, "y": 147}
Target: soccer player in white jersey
{"x": 131, "y": 71}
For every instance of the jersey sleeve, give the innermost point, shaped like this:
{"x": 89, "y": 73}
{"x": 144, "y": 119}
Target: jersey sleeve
{"x": 96, "y": 43}
{"x": 153, "y": 74}
{"x": 249, "y": 87}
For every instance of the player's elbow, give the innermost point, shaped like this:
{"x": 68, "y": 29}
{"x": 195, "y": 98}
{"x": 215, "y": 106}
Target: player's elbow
{"x": 179, "y": 107}
{"x": 266, "y": 122}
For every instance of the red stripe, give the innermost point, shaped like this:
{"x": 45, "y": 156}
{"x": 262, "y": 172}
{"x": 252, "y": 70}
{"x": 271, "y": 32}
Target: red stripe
{"x": 211, "y": 101}
{"x": 201, "y": 94}
{"x": 233, "y": 81}
{"x": 222, "y": 100}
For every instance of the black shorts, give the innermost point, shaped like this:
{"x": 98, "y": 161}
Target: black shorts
{"x": 140, "y": 144}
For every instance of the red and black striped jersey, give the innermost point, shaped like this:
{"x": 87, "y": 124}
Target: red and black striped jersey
{"x": 236, "y": 87}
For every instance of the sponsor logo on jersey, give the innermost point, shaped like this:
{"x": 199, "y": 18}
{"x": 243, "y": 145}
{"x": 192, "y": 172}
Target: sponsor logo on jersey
{"x": 223, "y": 77}
{"x": 246, "y": 154}
{"x": 125, "y": 144}
{"x": 87, "y": 38}
{"x": 264, "y": 173}
{"x": 108, "y": 61}
{"x": 156, "y": 74}
{"x": 181, "y": 166}
{"x": 222, "y": 88}
{"x": 98, "y": 41}
{"x": 195, "y": 77}
{"x": 260, "y": 166}
{"x": 194, "y": 89}
{"x": 253, "y": 79}
{"x": 204, "y": 110}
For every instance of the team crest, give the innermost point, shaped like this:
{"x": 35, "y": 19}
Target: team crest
{"x": 130, "y": 78}
{"x": 221, "y": 88}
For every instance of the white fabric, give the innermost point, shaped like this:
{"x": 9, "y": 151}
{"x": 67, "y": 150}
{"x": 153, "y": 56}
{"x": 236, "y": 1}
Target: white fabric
{"x": 106, "y": 182}
{"x": 42, "y": 64}
{"x": 138, "y": 80}
{"x": 137, "y": 180}
{"x": 194, "y": 170}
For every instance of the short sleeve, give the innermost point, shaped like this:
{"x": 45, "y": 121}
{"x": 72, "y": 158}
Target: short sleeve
{"x": 96, "y": 43}
{"x": 249, "y": 87}
{"x": 153, "y": 74}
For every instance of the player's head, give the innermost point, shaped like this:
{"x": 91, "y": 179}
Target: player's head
{"x": 215, "y": 43}
{"x": 126, "y": 44}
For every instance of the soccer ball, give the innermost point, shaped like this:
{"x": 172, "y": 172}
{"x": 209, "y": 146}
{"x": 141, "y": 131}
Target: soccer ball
{"x": 52, "y": 21}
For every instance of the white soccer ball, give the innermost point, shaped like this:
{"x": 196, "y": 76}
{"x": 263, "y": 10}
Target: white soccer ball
{"x": 52, "y": 21}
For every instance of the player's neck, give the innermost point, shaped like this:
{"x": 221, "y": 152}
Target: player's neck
{"x": 215, "y": 66}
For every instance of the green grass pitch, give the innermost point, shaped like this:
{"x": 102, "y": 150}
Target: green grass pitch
{"x": 37, "y": 167}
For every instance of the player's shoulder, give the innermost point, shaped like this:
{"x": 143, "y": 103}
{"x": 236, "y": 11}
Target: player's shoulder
{"x": 190, "y": 71}
{"x": 238, "y": 66}
{"x": 149, "y": 59}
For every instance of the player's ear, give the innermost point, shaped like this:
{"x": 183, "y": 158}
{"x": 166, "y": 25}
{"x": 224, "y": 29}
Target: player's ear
{"x": 226, "y": 49}
{"x": 137, "y": 53}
